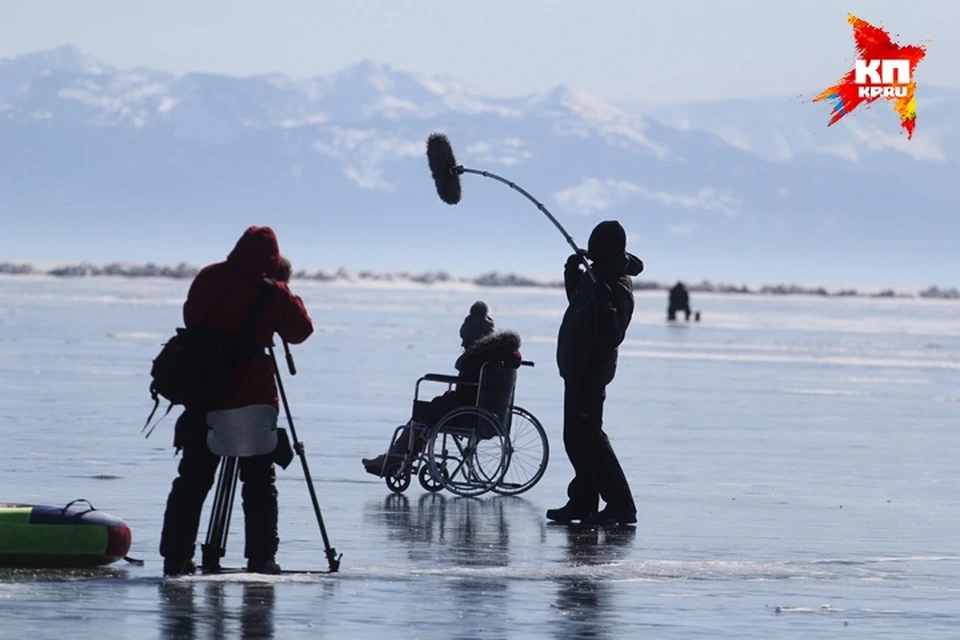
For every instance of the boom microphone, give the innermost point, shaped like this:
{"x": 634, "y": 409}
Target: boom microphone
{"x": 444, "y": 168}
{"x": 446, "y": 175}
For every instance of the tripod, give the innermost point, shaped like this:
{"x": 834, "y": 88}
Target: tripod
{"x": 216, "y": 542}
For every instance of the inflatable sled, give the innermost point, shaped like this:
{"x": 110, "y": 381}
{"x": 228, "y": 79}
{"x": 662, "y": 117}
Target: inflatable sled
{"x": 40, "y": 536}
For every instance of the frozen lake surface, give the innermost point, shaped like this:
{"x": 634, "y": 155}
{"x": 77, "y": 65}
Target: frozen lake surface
{"x": 794, "y": 461}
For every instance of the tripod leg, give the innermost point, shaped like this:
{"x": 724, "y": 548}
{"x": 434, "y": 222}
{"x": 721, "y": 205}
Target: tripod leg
{"x": 216, "y": 543}
{"x": 233, "y": 477}
{"x": 332, "y": 558}
{"x": 211, "y": 553}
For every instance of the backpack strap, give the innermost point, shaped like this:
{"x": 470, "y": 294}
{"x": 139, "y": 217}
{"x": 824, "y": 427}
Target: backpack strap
{"x": 156, "y": 404}
{"x": 255, "y": 311}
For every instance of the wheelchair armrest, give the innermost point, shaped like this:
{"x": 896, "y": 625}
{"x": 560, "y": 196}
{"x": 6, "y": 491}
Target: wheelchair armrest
{"x": 526, "y": 363}
{"x": 439, "y": 377}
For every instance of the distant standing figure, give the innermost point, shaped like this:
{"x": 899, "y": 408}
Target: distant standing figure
{"x": 592, "y": 329}
{"x": 679, "y": 301}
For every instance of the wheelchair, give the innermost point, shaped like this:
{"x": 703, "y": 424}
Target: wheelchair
{"x": 490, "y": 445}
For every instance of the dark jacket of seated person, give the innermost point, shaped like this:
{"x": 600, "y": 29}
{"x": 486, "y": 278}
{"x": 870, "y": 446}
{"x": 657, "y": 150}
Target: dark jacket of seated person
{"x": 500, "y": 348}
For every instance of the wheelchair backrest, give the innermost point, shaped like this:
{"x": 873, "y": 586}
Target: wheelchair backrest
{"x": 495, "y": 394}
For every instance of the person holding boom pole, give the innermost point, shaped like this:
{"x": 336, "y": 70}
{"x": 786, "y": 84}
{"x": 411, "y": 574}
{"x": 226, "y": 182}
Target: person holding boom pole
{"x": 600, "y": 309}
{"x": 593, "y": 326}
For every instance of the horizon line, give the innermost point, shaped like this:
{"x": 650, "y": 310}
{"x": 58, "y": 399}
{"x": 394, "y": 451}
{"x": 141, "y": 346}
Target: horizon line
{"x": 492, "y": 279}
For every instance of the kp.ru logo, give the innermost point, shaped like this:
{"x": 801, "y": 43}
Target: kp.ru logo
{"x": 882, "y": 70}
{"x": 892, "y": 83}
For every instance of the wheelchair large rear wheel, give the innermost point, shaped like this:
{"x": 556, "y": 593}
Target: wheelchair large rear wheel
{"x": 467, "y": 451}
{"x": 529, "y": 454}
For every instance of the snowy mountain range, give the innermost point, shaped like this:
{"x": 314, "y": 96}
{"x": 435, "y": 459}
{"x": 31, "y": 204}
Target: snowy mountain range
{"x": 140, "y": 165}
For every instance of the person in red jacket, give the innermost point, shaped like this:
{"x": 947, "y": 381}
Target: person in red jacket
{"x": 243, "y": 420}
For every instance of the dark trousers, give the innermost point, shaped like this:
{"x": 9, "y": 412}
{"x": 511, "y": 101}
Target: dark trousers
{"x": 597, "y": 472}
{"x": 426, "y": 413}
{"x": 674, "y": 308}
{"x": 196, "y": 474}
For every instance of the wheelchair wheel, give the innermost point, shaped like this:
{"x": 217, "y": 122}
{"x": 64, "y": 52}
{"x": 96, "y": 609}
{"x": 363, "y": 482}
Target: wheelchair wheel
{"x": 468, "y": 451}
{"x": 529, "y": 453}
{"x": 397, "y": 479}
{"x": 427, "y": 480}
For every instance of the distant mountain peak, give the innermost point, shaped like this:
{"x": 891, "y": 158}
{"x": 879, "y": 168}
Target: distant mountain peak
{"x": 378, "y": 74}
{"x": 370, "y": 66}
{"x": 66, "y": 57}
{"x": 578, "y": 103}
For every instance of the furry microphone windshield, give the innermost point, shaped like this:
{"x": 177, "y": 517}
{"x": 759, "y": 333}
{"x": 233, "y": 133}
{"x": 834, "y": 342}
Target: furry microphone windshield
{"x": 443, "y": 167}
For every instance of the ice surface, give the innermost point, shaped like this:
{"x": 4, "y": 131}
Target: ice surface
{"x": 793, "y": 460}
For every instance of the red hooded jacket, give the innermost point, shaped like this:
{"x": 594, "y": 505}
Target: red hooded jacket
{"x": 221, "y": 298}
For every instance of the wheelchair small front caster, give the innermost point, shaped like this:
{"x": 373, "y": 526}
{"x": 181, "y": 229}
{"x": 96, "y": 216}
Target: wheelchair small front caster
{"x": 427, "y": 481}
{"x": 397, "y": 480}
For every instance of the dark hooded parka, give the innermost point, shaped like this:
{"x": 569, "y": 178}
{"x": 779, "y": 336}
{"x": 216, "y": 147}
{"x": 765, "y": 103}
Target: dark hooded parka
{"x": 593, "y": 327}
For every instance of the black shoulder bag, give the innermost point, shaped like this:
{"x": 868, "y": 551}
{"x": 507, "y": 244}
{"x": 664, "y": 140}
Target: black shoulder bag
{"x": 195, "y": 365}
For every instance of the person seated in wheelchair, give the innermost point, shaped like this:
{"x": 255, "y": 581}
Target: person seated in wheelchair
{"x": 482, "y": 344}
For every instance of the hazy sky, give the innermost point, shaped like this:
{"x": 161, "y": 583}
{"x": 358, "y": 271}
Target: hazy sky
{"x": 620, "y": 50}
